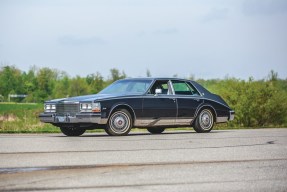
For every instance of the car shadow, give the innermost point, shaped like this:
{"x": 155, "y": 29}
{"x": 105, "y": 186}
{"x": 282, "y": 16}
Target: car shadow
{"x": 136, "y": 134}
{"x": 139, "y": 134}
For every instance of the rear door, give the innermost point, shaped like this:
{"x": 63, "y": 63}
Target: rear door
{"x": 188, "y": 99}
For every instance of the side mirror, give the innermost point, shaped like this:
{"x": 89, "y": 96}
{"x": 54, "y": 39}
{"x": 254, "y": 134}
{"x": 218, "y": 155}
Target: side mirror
{"x": 158, "y": 91}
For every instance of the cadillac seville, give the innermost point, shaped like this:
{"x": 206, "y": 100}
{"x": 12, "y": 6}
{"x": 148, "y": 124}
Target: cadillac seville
{"x": 151, "y": 103}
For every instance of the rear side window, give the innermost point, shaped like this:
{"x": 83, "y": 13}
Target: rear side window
{"x": 183, "y": 88}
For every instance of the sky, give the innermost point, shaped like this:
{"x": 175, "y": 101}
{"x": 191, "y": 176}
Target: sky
{"x": 200, "y": 38}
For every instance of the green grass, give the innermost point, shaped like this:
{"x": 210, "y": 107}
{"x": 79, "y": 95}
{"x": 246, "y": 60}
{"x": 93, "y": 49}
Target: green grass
{"x": 6, "y": 107}
{"x": 23, "y": 118}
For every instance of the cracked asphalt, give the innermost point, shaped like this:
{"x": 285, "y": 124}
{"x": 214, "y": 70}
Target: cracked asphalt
{"x": 227, "y": 160}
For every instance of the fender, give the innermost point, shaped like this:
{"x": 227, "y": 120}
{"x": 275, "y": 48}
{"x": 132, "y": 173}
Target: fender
{"x": 202, "y": 106}
{"x": 122, "y": 104}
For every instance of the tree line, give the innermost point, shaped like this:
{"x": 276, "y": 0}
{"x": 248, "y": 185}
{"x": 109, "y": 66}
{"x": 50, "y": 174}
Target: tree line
{"x": 40, "y": 84}
{"x": 256, "y": 102}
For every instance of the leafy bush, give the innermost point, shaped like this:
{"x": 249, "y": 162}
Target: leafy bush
{"x": 256, "y": 103}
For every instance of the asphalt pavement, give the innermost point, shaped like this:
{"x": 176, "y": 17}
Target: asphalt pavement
{"x": 227, "y": 160}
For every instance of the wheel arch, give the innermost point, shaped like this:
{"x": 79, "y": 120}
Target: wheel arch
{"x": 206, "y": 107}
{"x": 123, "y": 106}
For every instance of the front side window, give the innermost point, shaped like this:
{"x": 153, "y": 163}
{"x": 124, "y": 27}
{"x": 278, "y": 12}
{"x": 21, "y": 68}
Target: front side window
{"x": 160, "y": 84}
{"x": 183, "y": 88}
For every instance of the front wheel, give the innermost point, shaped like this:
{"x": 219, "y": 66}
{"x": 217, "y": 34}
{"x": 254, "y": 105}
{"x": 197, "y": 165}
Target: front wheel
{"x": 155, "y": 130}
{"x": 204, "y": 121}
{"x": 72, "y": 131}
{"x": 120, "y": 123}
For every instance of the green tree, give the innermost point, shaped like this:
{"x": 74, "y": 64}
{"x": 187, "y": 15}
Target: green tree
{"x": 62, "y": 87}
{"x": 96, "y": 82}
{"x": 10, "y": 81}
{"x": 46, "y": 79}
{"x": 116, "y": 75}
{"x": 78, "y": 86}
{"x": 30, "y": 84}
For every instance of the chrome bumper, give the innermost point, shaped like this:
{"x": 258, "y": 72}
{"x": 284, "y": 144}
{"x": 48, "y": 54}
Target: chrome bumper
{"x": 231, "y": 115}
{"x": 78, "y": 118}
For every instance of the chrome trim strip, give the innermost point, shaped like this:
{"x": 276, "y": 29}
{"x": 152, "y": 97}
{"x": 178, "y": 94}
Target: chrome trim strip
{"x": 221, "y": 119}
{"x": 142, "y": 122}
{"x": 170, "y": 87}
{"x": 162, "y": 121}
{"x": 154, "y": 122}
{"x": 46, "y": 118}
{"x": 79, "y": 118}
{"x": 120, "y": 97}
{"x": 232, "y": 115}
{"x": 216, "y": 102}
{"x": 184, "y": 121}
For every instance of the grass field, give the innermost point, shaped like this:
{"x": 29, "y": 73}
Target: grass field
{"x": 23, "y": 118}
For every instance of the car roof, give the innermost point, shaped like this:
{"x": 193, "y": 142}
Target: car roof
{"x": 157, "y": 78}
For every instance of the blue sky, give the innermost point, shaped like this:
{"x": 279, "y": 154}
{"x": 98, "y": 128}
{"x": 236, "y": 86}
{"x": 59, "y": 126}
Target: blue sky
{"x": 206, "y": 38}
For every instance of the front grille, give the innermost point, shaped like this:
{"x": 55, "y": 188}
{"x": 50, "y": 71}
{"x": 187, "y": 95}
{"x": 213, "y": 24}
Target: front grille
{"x": 67, "y": 108}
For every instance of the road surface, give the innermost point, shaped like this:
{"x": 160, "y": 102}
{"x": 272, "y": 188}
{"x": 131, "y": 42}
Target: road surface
{"x": 227, "y": 160}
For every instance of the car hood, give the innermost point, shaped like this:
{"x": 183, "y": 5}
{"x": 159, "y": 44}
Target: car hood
{"x": 87, "y": 98}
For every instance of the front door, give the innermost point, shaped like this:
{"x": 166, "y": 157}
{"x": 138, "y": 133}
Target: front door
{"x": 158, "y": 108}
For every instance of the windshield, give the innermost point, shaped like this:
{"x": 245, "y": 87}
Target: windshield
{"x": 127, "y": 87}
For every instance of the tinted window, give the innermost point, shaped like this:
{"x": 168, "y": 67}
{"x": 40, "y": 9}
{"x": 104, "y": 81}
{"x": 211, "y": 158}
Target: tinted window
{"x": 127, "y": 87}
{"x": 183, "y": 88}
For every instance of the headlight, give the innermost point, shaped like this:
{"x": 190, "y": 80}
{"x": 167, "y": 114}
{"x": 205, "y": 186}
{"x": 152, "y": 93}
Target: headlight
{"x": 86, "y": 106}
{"x": 50, "y": 108}
{"x": 90, "y": 107}
{"x": 96, "y": 107}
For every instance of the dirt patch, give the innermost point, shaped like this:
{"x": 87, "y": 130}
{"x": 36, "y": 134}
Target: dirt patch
{"x": 8, "y": 117}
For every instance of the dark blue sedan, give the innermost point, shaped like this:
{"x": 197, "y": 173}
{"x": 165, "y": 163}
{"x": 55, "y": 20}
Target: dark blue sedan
{"x": 151, "y": 103}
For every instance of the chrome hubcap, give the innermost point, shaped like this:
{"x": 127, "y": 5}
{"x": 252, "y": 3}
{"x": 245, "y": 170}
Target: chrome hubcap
{"x": 206, "y": 119}
{"x": 119, "y": 122}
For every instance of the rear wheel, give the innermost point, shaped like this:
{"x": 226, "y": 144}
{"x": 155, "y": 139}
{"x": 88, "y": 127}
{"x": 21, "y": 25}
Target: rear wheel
{"x": 72, "y": 131}
{"x": 120, "y": 123}
{"x": 155, "y": 130}
{"x": 204, "y": 121}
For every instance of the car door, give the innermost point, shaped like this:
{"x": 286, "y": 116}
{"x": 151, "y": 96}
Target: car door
{"x": 188, "y": 100}
{"x": 159, "y": 109}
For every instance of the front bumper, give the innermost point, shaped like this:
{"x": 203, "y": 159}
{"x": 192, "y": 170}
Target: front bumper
{"x": 231, "y": 115}
{"x": 78, "y": 118}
